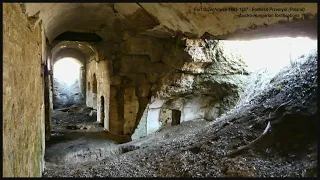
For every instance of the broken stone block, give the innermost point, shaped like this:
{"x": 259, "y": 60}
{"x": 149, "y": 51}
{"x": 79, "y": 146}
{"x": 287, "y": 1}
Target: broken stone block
{"x": 143, "y": 45}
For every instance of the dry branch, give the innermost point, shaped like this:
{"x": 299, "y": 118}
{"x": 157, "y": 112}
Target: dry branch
{"x": 248, "y": 146}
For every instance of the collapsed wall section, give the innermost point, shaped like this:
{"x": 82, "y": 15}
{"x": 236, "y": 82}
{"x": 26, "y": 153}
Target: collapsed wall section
{"x": 207, "y": 81}
{"x": 199, "y": 75}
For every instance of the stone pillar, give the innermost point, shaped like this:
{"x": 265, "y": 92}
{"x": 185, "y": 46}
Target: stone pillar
{"x": 47, "y": 104}
{"x": 83, "y": 81}
{"x": 116, "y": 119}
{"x": 131, "y": 107}
{"x": 124, "y": 106}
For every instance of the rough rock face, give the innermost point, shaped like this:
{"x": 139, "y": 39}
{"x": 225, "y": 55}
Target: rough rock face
{"x": 65, "y": 95}
{"x": 208, "y": 80}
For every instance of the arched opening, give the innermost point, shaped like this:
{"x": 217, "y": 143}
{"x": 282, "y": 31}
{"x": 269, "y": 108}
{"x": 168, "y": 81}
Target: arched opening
{"x": 94, "y": 94}
{"x": 273, "y": 53}
{"x": 67, "y": 90}
{"x": 102, "y": 114}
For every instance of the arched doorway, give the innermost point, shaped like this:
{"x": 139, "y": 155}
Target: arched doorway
{"x": 102, "y": 111}
{"x": 67, "y": 90}
{"x": 94, "y": 92}
{"x": 94, "y": 84}
{"x": 176, "y": 117}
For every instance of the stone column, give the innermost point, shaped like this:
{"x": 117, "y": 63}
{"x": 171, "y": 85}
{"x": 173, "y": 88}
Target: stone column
{"x": 116, "y": 119}
{"x": 83, "y": 81}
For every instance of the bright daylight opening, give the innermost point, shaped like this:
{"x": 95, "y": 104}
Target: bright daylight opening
{"x": 67, "y": 70}
{"x": 272, "y": 54}
{"x": 266, "y": 57}
{"x": 67, "y": 83}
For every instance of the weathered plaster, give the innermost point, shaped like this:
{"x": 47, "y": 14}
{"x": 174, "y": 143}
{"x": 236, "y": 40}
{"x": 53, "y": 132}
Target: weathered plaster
{"x": 23, "y": 95}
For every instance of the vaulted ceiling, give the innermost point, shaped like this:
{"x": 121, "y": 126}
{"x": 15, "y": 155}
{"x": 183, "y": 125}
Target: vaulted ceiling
{"x": 118, "y": 21}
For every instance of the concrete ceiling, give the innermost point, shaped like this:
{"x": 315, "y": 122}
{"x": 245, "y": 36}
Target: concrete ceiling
{"x": 116, "y": 21}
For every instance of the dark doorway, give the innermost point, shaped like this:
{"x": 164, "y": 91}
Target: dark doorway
{"x": 94, "y": 84}
{"x": 102, "y": 115}
{"x": 176, "y": 117}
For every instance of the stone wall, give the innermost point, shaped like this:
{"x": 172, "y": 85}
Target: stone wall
{"x": 136, "y": 67}
{"x": 98, "y": 88}
{"x": 23, "y": 96}
{"x": 103, "y": 86}
{"x": 166, "y": 117}
{"x": 194, "y": 108}
{"x": 83, "y": 82}
{"x": 91, "y": 69}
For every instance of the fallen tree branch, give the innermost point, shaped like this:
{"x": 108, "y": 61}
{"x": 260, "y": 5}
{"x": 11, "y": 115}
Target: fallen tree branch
{"x": 282, "y": 105}
{"x": 251, "y": 144}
